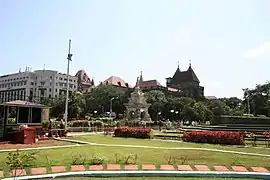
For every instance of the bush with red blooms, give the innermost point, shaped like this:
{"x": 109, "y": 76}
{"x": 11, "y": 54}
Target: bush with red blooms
{"x": 214, "y": 137}
{"x": 145, "y": 133}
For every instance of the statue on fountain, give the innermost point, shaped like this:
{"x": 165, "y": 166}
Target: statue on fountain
{"x": 137, "y": 107}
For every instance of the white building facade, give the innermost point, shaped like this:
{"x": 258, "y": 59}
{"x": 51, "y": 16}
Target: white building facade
{"x": 32, "y": 86}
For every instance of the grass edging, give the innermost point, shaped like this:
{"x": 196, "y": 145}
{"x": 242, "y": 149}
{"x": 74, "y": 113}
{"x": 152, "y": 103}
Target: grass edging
{"x": 207, "y": 174}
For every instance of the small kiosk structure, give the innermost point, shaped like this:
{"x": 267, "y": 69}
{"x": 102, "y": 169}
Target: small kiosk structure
{"x": 20, "y": 113}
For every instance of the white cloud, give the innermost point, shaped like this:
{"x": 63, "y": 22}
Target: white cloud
{"x": 184, "y": 35}
{"x": 262, "y": 51}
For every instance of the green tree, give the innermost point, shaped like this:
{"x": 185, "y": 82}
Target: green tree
{"x": 99, "y": 98}
{"x": 256, "y": 101}
{"x": 75, "y": 105}
{"x": 157, "y": 99}
{"x": 182, "y": 105}
{"x": 203, "y": 112}
{"x": 218, "y": 107}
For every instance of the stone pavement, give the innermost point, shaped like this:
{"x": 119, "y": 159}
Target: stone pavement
{"x": 135, "y": 167}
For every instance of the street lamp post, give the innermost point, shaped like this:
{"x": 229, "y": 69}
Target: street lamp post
{"x": 95, "y": 112}
{"x": 66, "y": 108}
{"x": 172, "y": 111}
{"x": 159, "y": 122}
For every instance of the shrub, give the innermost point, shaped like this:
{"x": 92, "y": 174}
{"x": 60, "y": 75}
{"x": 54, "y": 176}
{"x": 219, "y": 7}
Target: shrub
{"x": 97, "y": 159}
{"x": 80, "y": 123}
{"x": 55, "y": 124}
{"x": 216, "y": 137}
{"x": 78, "y": 159}
{"x": 133, "y": 132}
{"x": 98, "y": 123}
{"x": 20, "y": 160}
{"x": 45, "y": 123}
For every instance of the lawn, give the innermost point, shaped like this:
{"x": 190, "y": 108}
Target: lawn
{"x": 66, "y": 156}
{"x": 102, "y": 139}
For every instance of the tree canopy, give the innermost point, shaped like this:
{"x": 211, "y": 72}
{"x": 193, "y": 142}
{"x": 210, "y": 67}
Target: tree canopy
{"x": 167, "y": 106}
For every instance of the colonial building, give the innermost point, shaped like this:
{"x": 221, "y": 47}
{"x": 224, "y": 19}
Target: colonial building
{"x": 153, "y": 84}
{"x": 84, "y": 81}
{"x": 116, "y": 81}
{"x": 187, "y": 82}
{"x": 32, "y": 86}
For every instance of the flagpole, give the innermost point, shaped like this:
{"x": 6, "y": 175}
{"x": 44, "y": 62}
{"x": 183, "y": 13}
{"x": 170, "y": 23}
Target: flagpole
{"x": 66, "y": 108}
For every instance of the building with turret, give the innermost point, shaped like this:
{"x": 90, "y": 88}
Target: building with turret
{"x": 84, "y": 81}
{"x": 187, "y": 82}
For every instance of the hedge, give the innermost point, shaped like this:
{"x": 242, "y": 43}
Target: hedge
{"x": 214, "y": 137}
{"x": 145, "y": 133}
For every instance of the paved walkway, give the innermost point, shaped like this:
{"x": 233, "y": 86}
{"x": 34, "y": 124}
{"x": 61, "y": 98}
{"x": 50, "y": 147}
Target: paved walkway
{"x": 83, "y": 133}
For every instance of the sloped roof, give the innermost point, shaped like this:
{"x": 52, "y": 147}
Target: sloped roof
{"x": 22, "y": 103}
{"x": 193, "y": 75}
{"x": 184, "y": 76}
{"x": 83, "y": 77}
{"x": 211, "y": 97}
{"x": 116, "y": 81}
{"x": 150, "y": 83}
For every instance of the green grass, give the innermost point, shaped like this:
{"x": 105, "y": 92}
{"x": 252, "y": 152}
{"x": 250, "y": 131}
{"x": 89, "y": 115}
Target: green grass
{"x": 102, "y": 139}
{"x": 65, "y": 156}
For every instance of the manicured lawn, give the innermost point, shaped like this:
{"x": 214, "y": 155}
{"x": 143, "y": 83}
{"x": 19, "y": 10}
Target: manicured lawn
{"x": 66, "y": 156}
{"x": 102, "y": 139}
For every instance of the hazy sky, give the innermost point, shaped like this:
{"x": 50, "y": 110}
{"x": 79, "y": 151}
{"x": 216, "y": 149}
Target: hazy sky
{"x": 228, "y": 41}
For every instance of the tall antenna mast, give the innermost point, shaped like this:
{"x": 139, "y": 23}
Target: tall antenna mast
{"x": 66, "y": 108}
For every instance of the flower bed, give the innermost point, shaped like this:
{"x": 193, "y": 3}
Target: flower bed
{"x": 145, "y": 133}
{"x": 216, "y": 137}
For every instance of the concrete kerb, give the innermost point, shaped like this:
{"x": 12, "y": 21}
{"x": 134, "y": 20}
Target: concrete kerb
{"x": 207, "y": 174}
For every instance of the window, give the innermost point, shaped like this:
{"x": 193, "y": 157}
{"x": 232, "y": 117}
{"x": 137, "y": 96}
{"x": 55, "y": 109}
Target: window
{"x": 12, "y": 115}
{"x": 55, "y": 90}
{"x": 23, "y": 115}
{"x": 36, "y": 115}
{"x": 42, "y": 83}
{"x": 50, "y": 77}
{"x": 50, "y": 90}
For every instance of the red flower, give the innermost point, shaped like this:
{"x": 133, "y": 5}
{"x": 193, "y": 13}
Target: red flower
{"x": 214, "y": 137}
{"x": 133, "y": 132}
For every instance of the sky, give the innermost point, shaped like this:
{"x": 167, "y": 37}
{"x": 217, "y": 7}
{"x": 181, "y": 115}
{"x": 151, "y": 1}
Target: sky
{"x": 227, "y": 41}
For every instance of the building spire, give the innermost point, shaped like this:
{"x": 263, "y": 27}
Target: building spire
{"x": 178, "y": 65}
{"x": 141, "y": 78}
{"x": 137, "y": 83}
{"x": 189, "y": 63}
